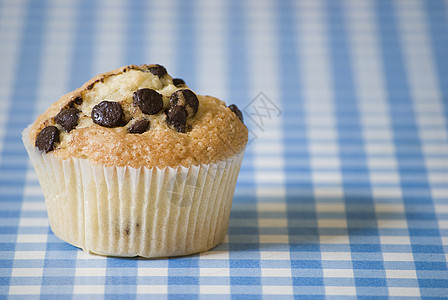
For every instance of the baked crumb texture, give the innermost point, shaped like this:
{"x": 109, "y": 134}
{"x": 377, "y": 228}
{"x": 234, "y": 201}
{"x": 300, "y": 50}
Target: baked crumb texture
{"x": 138, "y": 116}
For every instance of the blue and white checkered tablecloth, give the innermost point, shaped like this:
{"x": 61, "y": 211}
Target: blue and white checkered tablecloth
{"x": 343, "y": 192}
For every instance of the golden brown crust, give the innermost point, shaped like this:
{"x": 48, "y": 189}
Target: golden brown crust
{"x": 44, "y": 119}
{"x": 216, "y": 132}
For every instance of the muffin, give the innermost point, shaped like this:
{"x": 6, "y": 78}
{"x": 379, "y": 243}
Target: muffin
{"x": 134, "y": 163}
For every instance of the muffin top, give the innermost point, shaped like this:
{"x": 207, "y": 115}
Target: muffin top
{"x": 139, "y": 116}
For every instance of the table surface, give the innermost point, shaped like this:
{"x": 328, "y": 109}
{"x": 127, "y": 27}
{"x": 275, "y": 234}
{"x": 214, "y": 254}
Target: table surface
{"x": 343, "y": 190}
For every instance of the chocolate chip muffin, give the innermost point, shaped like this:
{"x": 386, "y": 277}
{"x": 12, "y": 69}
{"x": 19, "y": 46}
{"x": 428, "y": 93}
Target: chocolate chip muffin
{"x": 136, "y": 163}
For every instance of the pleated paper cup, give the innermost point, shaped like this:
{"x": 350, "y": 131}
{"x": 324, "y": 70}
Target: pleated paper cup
{"x": 124, "y": 211}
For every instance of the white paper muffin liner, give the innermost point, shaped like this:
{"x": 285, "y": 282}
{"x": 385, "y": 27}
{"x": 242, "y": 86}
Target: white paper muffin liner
{"x": 124, "y": 211}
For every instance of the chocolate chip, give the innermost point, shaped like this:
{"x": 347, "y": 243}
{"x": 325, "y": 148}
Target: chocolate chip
{"x": 186, "y": 98}
{"x": 46, "y": 139}
{"x": 237, "y": 112}
{"x": 157, "y": 70}
{"x": 149, "y": 101}
{"x": 67, "y": 118}
{"x": 178, "y": 82}
{"x": 108, "y": 114}
{"x": 176, "y": 116}
{"x": 139, "y": 126}
{"x": 76, "y": 101}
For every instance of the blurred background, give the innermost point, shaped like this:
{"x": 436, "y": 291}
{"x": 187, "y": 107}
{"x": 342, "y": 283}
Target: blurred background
{"x": 329, "y": 89}
{"x": 337, "y": 74}
{"x": 346, "y": 102}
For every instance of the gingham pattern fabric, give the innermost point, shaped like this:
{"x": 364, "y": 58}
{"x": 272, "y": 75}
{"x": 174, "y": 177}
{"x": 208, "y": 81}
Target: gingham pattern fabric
{"x": 344, "y": 187}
